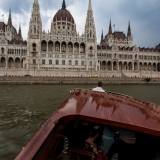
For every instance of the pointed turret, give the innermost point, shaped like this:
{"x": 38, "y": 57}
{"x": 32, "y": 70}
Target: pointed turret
{"x": 110, "y": 28}
{"x": 91, "y": 40}
{"x": 63, "y": 5}
{"x": 129, "y": 30}
{"x": 19, "y": 31}
{"x": 9, "y": 19}
{"x": 35, "y": 26}
{"x": 90, "y": 6}
{"x": 102, "y": 36}
{"x": 90, "y": 30}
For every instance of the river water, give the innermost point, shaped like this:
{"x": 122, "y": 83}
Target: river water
{"x": 24, "y": 108}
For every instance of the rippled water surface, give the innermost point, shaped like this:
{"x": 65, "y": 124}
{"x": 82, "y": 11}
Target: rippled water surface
{"x": 24, "y": 108}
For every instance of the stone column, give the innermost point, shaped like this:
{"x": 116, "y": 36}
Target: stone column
{"x": 132, "y": 66}
{"x": 79, "y": 49}
{"x": 6, "y": 63}
{"x": 118, "y": 65}
{"x": 73, "y": 48}
{"x": 111, "y": 65}
{"x": 47, "y": 47}
{"x": 60, "y": 48}
{"x": 27, "y": 64}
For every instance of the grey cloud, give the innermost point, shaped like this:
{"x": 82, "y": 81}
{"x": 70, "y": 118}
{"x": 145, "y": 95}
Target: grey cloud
{"x": 143, "y": 14}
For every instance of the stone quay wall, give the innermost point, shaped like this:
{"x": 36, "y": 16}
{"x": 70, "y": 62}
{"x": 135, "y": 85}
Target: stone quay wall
{"x": 75, "y": 80}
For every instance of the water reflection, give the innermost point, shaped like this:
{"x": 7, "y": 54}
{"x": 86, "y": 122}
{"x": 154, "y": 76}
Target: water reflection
{"x": 24, "y": 108}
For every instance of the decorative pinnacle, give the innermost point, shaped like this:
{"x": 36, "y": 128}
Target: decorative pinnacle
{"x": 63, "y": 5}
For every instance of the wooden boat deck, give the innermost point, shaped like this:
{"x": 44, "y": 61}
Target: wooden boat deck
{"x": 104, "y": 108}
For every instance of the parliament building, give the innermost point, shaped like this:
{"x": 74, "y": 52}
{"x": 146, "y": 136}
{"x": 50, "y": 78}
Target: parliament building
{"x": 62, "y": 51}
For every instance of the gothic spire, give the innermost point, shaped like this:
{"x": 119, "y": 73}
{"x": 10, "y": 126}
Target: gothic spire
{"x": 90, "y": 6}
{"x": 36, "y": 1}
{"x": 129, "y": 30}
{"x": 9, "y": 19}
{"x": 35, "y": 24}
{"x": 90, "y": 30}
{"x": 63, "y": 5}
{"x": 110, "y": 28}
{"x": 19, "y": 32}
{"x": 102, "y": 36}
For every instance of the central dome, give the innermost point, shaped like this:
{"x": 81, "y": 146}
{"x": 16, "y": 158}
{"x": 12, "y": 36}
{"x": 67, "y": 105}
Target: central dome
{"x": 63, "y": 15}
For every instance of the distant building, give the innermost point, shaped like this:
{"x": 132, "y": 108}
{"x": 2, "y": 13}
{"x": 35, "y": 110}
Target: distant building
{"x": 63, "y": 52}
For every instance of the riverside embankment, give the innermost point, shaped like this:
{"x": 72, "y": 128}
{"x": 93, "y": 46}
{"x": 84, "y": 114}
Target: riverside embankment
{"x": 75, "y": 80}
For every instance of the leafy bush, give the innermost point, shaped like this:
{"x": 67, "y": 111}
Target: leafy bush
{"x": 148, "y": 79}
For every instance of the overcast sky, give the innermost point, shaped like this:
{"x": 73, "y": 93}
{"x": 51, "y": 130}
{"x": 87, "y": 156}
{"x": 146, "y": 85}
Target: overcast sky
{"x": 144, "y": 16}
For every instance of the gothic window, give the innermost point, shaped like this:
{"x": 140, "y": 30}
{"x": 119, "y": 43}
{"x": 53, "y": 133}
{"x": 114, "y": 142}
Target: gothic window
{"x": 37, "y": 31}
{"x": 34, "y": 61}
{"x": 34, "y": 47}
{"x": 43, "y": 45}
{"x": 90, "y": 63}
{"x": 63, "y": 62}
{"x": 2, "y": 50}
{"x": 70, "y": 62}
{"x": 63, "y": 48}
{"x": 57, "y": 62}
{"x": 76, "y": 63}
{"x": 34, "y": 29}
{"x": 135, "y": 56}
{"x": 82, "y": 63}
{"x": 50, "y": 62}
{"x": 43, "y": 61}
{"x": 115, "y": 55}
{"x": 90, "y": 34}
{"x": 91, "y": 50}
{"x": 57, "y": 48}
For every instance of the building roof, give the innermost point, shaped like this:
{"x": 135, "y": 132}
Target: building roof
{"x": 63, "y": 15}
{"x": 119, "y": 35}
{"x": 17, "y": 42}
{"x": 2, "y": 26}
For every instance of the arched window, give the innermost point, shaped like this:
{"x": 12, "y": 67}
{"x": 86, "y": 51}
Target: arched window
{"x": 82, "y": 63}
{"x": 43, "y": 61}
{"x": 90, "y": 34}
{"x": 34, "y": 47}
{"x": 70, "y": 62}
{"x": 63, "y": 62}
{"x": 34, "y": 61}
{"x": 50, "y": 62}
{"x": 57, "y": 62}
{"x": 34, "y": 29}
{"x": 76, "y": 63}
{"x": 2, "y": 50}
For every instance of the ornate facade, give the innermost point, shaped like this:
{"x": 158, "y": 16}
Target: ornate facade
{"x": 62, "y": 51}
